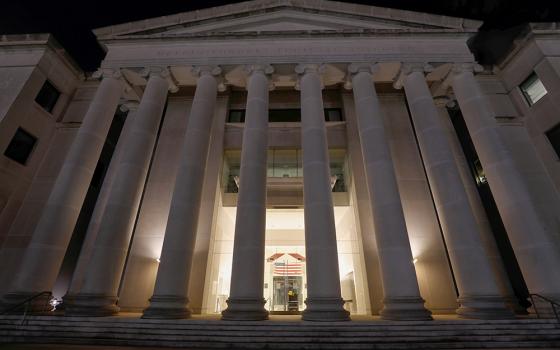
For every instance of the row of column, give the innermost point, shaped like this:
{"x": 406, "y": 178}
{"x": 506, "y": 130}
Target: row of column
{"x": 479, "y": 292}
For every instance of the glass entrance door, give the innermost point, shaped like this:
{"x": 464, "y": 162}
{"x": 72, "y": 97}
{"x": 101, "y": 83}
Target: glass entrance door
{"x": 287, "y": 294}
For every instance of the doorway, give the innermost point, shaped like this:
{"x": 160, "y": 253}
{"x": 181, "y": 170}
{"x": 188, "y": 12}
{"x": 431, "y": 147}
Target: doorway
{"x": 287, "y": 295}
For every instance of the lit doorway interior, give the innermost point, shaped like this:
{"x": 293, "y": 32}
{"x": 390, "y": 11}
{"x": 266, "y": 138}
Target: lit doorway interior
{"x": 285, "y": 288}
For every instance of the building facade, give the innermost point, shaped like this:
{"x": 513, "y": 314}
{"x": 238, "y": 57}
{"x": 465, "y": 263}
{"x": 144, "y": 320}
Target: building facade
{"x": 282, "y": 157}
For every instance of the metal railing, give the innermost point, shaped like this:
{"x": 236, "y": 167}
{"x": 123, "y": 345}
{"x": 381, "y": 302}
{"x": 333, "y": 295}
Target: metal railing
{"x": 27, "y": 302}
{"x": 553, "y": 305}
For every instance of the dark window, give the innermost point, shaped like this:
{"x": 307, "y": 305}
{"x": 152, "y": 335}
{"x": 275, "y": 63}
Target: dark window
{"x": 554, "y": 138}
{"x": 236, "y": 116}
{"x": 333, "y": 115}
{"x": 285, "y": 115}
{"x": 533, "y": 89}
{"x": 21, "y": 146}
{"x": 47, "y": 97}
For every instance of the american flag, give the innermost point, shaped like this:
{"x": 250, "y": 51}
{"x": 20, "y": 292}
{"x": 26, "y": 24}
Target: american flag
{"x": 288, "y": 268}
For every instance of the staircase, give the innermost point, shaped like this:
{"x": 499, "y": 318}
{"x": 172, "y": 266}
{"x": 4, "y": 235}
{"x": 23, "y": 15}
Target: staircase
{"x": 216, "y": 334}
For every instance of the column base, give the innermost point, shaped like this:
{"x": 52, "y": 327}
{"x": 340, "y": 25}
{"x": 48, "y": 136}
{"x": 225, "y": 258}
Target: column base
{"x": 167, "y": 307}
{"x": 97, "y": 305}
{"x": 405, "y": 309}
{"x": 245, "y": 309}
{"x": 514, "y": 305}
{"x": 325, "y": 310}
{"x": 484, "y": 308}
{"x": 38, "y": 306}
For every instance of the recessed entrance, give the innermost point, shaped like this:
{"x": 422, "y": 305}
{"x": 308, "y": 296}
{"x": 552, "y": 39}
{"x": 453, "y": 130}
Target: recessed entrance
{"x": 285, "y": 272}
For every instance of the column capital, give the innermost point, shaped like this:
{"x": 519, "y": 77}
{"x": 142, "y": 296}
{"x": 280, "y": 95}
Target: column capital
{"x": 155, "y": 71}
{"x": 213, "y": 71}
{"x": 129, "y": 106}
{"x": 206, "y": 70}
{"x": 408, "y": 68}
{"x": 162, "y": 72}
{"x": 357, "y": 67}
{"x": 102, "y": 73}
{"x": 444, "y": 101}
{"x": 466, "y": 67}
{"x": 304, "y": 68}
{"x": 265, "y": 69}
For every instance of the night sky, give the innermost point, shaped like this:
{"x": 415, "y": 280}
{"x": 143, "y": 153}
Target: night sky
{"x": 71, "y": 21}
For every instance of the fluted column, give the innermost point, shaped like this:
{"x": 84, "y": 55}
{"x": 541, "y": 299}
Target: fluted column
{"x": 172, "y": 282}
{"x": 324, "y": 302}
{"x": 479, "y": 213}
{"x": 402, "y": 300}
{"x": 479, "y": 295}
{"x": 246, "y": 301}
{"x": 536, "y": 252}
{"x": 98, "y": 294}
{"x": 43, "y": 257}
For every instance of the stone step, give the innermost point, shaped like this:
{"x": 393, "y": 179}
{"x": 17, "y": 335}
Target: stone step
{"x": 287, "y": 345}
{"x": 457, "y": 336}
{"x": 295, "y": 324}
{"x": 284, "y": 332}
{"x": 193, "y": 333}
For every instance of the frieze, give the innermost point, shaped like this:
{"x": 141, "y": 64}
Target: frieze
{"x": 290, "y": 51}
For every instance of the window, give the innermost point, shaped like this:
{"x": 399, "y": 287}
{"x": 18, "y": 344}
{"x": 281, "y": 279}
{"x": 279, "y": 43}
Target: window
{"x": 285, "y": 115}
{"x": 333, "y": 115}
{"x": 47, "y": 97}
{"x": 554, "y": 138}
{"x": 285, "y": 164}
{"x": 236, "y": 116}
{"x": 21, "y": 146}
{"x": 533, "y": 89}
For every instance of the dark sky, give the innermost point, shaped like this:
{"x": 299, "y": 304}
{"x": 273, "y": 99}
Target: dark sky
{"x": 71, "y": 21}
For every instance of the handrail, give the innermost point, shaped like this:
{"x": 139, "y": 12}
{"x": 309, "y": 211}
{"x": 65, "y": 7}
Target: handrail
{"x": 552, "y": 303}
{"x": 25, "y": 302}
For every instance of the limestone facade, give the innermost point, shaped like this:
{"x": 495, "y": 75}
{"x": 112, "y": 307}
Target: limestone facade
{"x": 280, "y": 156}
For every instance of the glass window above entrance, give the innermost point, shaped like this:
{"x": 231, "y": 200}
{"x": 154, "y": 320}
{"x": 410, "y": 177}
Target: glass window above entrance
{"x": 292, "y": 115}
{"x": 284, "y": 164}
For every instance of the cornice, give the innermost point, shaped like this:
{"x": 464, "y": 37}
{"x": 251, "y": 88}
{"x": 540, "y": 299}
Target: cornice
{"x": 438, "y": 33}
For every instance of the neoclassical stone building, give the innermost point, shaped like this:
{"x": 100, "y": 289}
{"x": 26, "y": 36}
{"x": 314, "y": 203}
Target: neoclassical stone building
{"x": 282, "y": 156}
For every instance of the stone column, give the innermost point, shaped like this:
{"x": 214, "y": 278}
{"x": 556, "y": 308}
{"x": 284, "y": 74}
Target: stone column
{"x": 96, "y": 216}
{"x": 324, "y": 302}
{"x": 479, "y": 213}
{"x": 535, "y": 250}
{"x": 43, "y": 257}
{"x": 479, "y": 295}
{"x": 402, "y": 300}
{"x": 98, "y": 294}
{"x": 170, "y": 295}
{"x": 246, "y": 300}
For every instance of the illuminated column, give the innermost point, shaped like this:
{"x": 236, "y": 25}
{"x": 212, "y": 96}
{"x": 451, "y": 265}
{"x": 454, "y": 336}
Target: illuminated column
{"x": 324, "y": 302}
{"x": 170, "y": 298}
{"x": 487, "y": 235}
{"x": 246, "y": 300}
{"x": 479, "y": 295}
{"x": 96, "y": 216}
{"x": 402, "y": 300}
{"x": 43, "y": 257}
{"x": 534, "y": 248}
{"x": 98, "y": 294}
